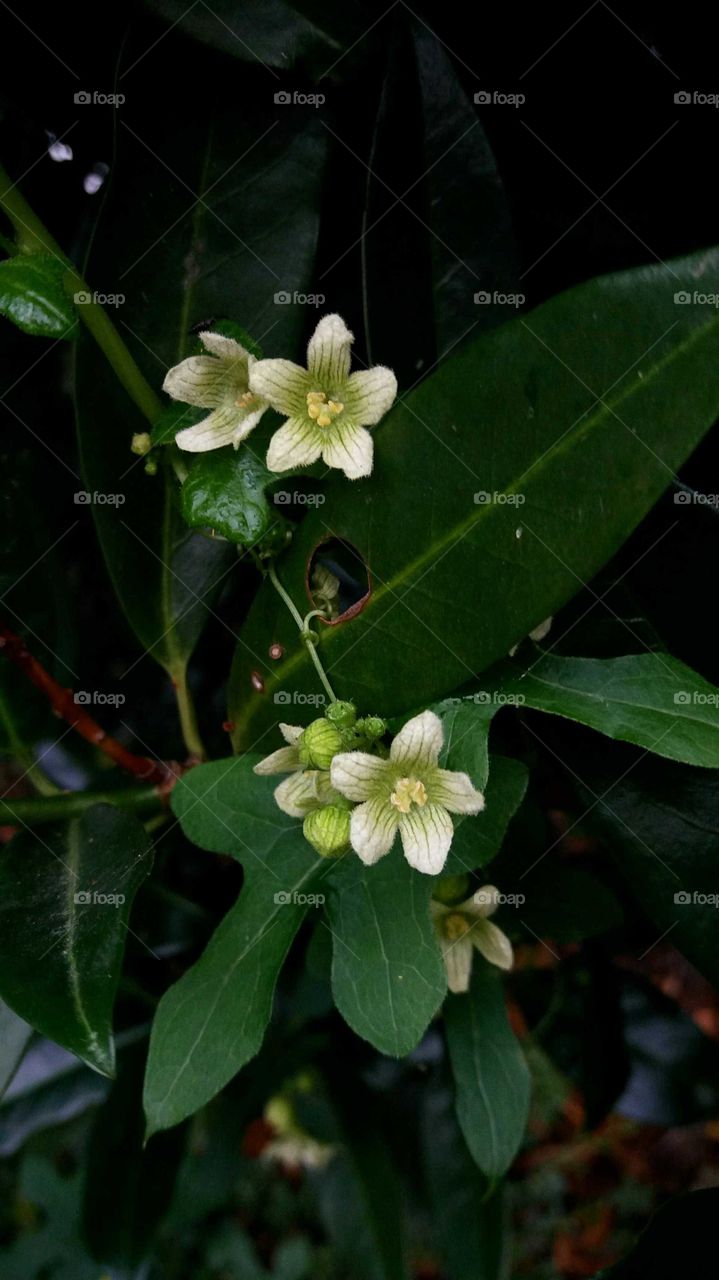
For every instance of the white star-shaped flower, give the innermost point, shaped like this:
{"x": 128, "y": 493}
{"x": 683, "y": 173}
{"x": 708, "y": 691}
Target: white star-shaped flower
{"x": 220, "y": 382}
{"x": 305, "y": 789}
{"x": 462, "y": 928}
{"x": 409, "y": 793}
{"x": 328, "y": 408}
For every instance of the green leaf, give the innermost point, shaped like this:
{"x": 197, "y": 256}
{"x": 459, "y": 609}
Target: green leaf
{"x": 471, "y": 1226}
{"x": 33, "y": 296}
{"x": 176, "y": 266}
{"x": 679, "y": 1241}
{"x": 478, "y": 840}
{"x": 650, "y": 699}
{"x": 388, "y": 977}
{"x": 225, "y": 492}
{"x": 15, "y": 1036}
{"x": 466, "y": 737}
{"x": 62, "y": 978}
{"x": 517, "y": 413}
{"x": 490, "y": 1072}
{"x": 213, "y": 1020}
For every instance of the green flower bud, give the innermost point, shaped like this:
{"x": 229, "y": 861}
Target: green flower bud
{"x": 342, "y": 714}
{"x": 319, "y": 743}
{"x": 451, "y": 889}
{"x": 328, "y": 830}
{"x": 151, "y": 467}
{"x": 372, "y": 727}
{"x": 141, "y": 443}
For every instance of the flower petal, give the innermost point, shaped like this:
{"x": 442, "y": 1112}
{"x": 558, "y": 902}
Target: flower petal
{"x": 297, "y": 444}
{"x": 350, "y": 449}
{"x": 455, "y": 791}
{"x": 369, "y": 393}
{"x": 199, "y": 380}
{"x": 373, "y": 826}
{"x": 419, "y": 742}
{"x": 356, "y": 774}
{"x": 493, "y": 944}
{"x": 426, "y": 833}
{"x": 457, "y": 958}
{"x": 484, "y": 902}
{"x": 215, "y": 431}
{"x": 297, "y": 795}
{"x": 247, "y": 424}
{"x": 283, "y": 384}
{"x": 291, "y": 733}
{"x": 328, "y": 354}
{"x": 225, "y": 348}
{"x": 284, "y": 760}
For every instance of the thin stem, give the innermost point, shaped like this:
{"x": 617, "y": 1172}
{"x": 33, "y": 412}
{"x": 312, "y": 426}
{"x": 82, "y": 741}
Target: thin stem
{"x": 304, "y": 634}
{"x": 38, "y": 809}
{"x": 188, "y": 716}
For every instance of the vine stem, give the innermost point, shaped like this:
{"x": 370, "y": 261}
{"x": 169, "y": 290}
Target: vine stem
{"x": 304, "y": 633}
{"x": 32, "y": 236}
{"x": 70, "y": 804}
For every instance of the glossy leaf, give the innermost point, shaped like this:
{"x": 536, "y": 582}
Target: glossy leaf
{"x": 33, "y": 296}
{"x": 490, "y": 1072}
{"x": 211, "y": 1022}
{"x": 80, "y": 881}
{"x": 387, "y": 973}
{"x": 225, "y": 492}
{"x": 515, "y": 413}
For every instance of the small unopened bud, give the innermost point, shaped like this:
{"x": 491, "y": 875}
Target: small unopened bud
{"x": 328, "y": 830}
{"x": 451, "y": 889}
{"x": 371, "y": 727}
{"x": 151, "y": 466}
{"x": 342, "y": 714}
{"x": 319, "y": 743}
{"x": 141, "y": 443}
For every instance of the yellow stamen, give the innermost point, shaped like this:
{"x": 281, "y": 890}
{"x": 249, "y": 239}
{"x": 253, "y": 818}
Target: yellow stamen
{"x": 313, "y": 410}
{"x": 324, "y": 420}
{"x": 407, "y": 792}
{"x": 320, "y": 410}
{"x": 245, "y": 399}
{"x": 335, "y": 406}
{"x": 455, "y": 926}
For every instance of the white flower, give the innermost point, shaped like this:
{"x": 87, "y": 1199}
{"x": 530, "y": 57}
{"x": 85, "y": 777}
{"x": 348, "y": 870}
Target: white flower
{"x": 328, "y": 408}
{"x": 466, "y": 926}
{"x": 305, "y": 789}
{"x": 220, "y": 382}
{"x": 408, "y": 793}
{"x": 291, "y": 1145}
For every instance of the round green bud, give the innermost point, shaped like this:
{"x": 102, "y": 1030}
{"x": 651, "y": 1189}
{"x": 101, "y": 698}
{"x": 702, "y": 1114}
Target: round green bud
{"x": 372, "y": 727}
{"x": 451, "y": 889}
{"x": 328, "y": 830}
{"x": 342, "y": 714}
{"x": 319, "y": 743}
{"x": 151, "y": 467}
{"x": 141, "y": 443}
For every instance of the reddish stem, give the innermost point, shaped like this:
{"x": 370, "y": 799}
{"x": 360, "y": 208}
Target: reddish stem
{"x": 63, "y": 704}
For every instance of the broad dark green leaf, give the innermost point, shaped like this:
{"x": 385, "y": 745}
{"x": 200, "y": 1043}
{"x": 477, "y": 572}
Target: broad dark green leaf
{"x": 466, "y": 727}
{"x": 679, "y": 1241}
{"x": 388, "y": 977}
{"x": 661, "y": 823}
{"x": 609, "y": 380}
{"x": 213, "y": 1020}
{"x": 225, "y": 492}
{"x": 490, "y": 1072}
{"x": 202, "y": 249}
{"x": 471, "y": 1226}
{"x": 650, "y": 699}
{"x": 478, "y": 840}
{"x": 15, "y": 1036}
{"x": 79, "y": 880}
{"x": 33, "y": 296}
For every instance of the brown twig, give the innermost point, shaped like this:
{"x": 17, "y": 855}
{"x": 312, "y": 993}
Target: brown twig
{"x": 64, "y": 705}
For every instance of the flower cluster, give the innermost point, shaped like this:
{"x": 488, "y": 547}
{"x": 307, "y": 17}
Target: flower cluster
{"x": 327, "y": 408}
{"x": 354, "y": 792}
